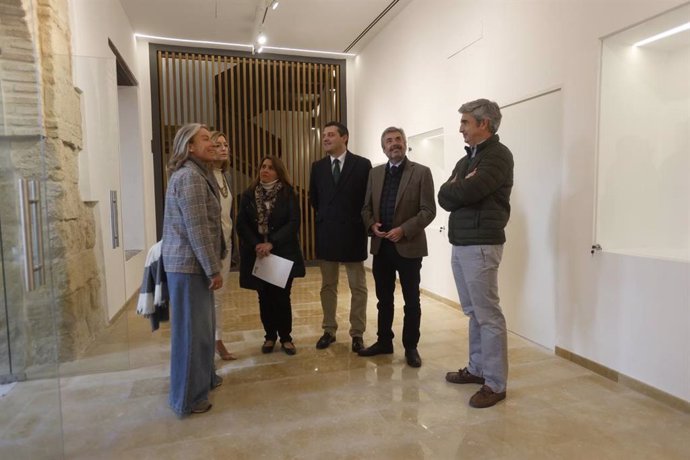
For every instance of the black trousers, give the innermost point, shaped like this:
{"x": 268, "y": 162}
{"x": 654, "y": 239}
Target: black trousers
{"x": 276, "y": 310}
{"x": 386, "y": 263}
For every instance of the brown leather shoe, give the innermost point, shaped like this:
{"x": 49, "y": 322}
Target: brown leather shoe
{"x": 268, "y": 346}
{"x": 463, "y": 376}
{"x": 486, "y": 397}
{"x": 288, "y": 348}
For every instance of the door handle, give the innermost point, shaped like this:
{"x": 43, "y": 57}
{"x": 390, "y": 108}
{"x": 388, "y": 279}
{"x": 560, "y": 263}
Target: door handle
{"x": 31, "y": 219}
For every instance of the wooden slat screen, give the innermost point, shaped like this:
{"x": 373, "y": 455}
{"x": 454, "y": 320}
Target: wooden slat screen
{"x": 264, "y": 106}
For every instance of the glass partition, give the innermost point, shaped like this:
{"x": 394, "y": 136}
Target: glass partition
{"x": 66, "y": 281}
{"x": 643, "y": 196}
{"x": 30, "y": 417}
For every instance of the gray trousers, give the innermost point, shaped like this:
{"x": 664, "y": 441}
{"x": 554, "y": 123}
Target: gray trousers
{"x": 475, "y": 269}
{"x": 357, "y": 280}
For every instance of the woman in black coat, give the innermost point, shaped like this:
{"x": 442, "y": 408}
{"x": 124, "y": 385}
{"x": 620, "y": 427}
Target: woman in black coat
{"x": 268, "y": 223}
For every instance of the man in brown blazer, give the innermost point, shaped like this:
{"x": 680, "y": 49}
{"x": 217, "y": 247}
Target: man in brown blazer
{"x": 399, "y": 204}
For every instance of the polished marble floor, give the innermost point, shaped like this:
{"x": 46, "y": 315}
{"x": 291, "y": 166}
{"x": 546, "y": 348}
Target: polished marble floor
{"x": 112, "y": 404}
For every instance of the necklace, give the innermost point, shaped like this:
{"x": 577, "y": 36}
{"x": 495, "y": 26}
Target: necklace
{"x": 223, "y": 188}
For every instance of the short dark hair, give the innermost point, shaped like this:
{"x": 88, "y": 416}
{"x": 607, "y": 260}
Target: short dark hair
{"x": 342, "y": 129}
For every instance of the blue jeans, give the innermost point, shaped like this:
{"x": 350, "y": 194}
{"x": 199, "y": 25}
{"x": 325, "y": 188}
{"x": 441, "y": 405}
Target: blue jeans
{"x": 192, "y": 340}
{"x": 475, "y": 269}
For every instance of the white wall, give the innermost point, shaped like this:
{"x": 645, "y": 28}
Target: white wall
{"x": 93, "y": 22}
{"x": 143, "y": 75}
{"x": 131, "y": 180}
{"x": 99, "y": 165}
{"x": 528, "y": 278}
{"x": 630, "y": 314}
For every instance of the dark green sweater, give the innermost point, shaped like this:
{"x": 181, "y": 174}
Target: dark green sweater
{"x": 479, "y": 206}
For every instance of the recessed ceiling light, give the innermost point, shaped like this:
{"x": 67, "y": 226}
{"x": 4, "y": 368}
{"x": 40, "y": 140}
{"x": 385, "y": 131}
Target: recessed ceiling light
{"x": 300, "y": 50}
{"x": 275, "y": 4}
{"x": 184, "y": 40}
{"x": 261, "y": 39}
{"x": 668, "y": 33}
{"x": 242, "y": 45}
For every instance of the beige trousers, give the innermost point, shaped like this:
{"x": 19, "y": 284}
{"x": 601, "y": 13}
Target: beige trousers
{"x": 225, "y": 270}
{"x": 357, "y": 281}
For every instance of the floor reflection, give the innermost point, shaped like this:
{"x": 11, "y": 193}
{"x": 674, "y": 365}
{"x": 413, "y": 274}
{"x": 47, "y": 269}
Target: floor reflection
{"x": 331, "y": 403}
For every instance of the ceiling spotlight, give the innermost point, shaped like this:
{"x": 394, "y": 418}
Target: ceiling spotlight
{"x": 261, "y": 39}
{"x": 274, "y": 4}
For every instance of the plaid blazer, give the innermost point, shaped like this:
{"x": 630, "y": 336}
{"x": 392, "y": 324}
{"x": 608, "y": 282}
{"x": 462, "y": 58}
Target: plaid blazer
{"x": 192, "y": 234}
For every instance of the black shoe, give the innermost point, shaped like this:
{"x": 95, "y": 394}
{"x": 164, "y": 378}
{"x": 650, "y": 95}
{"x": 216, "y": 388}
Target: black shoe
{"x": 377, "y": 349}
{"x": 413, "y": 358}
{"x": 326, "y": 339}
{"x": 357, "y": 344}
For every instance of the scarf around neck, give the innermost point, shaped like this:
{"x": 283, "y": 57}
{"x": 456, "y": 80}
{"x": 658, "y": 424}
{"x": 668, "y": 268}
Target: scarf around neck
{"x": 265, "y": 197}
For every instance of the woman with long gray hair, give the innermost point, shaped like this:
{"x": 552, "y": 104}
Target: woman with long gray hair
{"x": 192, "y": 250}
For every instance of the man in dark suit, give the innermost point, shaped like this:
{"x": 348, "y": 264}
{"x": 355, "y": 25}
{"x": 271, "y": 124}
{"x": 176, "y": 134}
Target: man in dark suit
{"x": 337, "y": 186}
{"x": 398, "y": 205}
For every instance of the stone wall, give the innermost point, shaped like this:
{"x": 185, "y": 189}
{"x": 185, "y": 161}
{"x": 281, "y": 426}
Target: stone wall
{"x": 40, "y": 133}
{"x": 76, "y": 275}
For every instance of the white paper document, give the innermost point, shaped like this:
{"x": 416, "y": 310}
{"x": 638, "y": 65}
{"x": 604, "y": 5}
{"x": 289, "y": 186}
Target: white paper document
{"x": 273, "y": 269}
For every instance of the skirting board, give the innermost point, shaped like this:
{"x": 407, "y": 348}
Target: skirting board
{"x": 636, "y": 385}
{"x": 450, "y": 303}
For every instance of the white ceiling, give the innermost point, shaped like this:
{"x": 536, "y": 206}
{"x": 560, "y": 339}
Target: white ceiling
{"x": 328, "y": 25}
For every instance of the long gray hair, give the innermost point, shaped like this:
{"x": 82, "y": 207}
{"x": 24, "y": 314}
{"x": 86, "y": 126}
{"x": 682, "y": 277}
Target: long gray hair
{"x": 180, "y": 147}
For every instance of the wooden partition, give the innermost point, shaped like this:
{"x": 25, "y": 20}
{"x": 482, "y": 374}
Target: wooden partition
{"x": 268, "y": 105}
